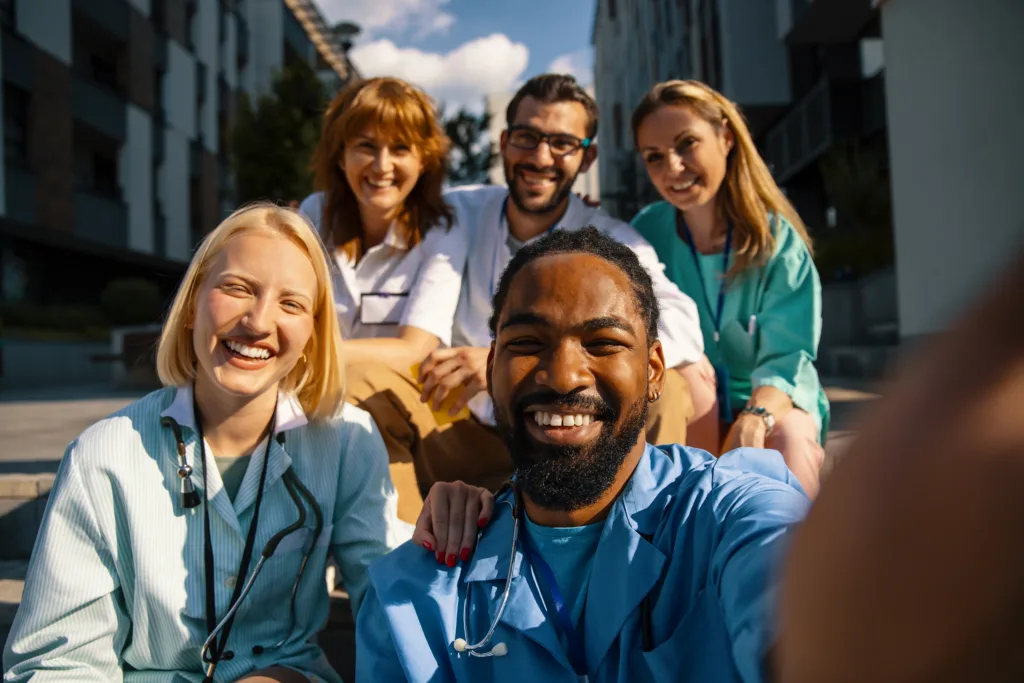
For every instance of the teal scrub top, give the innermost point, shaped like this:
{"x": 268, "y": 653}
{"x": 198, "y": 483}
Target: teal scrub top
{"x": 771, "y": 316}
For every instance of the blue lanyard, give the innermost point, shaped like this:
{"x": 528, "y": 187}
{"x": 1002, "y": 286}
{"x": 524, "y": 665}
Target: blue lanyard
{"x": 563, "y": 616}
{"x": 717, "y": 312}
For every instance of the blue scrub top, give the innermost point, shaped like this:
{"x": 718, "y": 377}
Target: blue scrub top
{"x": 717, "y": 529}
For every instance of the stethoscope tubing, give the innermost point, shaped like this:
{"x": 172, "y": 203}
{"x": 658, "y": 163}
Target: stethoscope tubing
{"x": 297, "y": 492}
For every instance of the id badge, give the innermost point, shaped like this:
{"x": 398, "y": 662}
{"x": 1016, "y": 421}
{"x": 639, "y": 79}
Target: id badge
{"x": 723, "y": 394}
{"x": 382, "y": 308}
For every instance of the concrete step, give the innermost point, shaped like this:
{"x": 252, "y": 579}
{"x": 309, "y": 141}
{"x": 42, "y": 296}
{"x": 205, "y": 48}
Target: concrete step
{"x": 22, "y": 503}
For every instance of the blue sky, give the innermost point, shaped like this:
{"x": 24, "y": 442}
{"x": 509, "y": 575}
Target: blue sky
{"x": 459, "y": 50}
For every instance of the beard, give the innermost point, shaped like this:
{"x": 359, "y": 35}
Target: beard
{"x": 563, "y": 187}
{"x": 568, "y": 478}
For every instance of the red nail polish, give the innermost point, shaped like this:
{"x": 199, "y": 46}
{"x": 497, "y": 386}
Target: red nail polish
{"x": 451, "y": 560}
{"x": 482, "y": 522}
{"x": 440, "y": 557}
{"x": 465, "y": 555}
{"x": 426, "y": 544}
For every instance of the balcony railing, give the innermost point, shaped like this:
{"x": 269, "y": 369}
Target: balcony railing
{"x": 832, "y": 110}
{"x": 99, "y": 107}
{"x": 101, "y": 219}
{"x": 20, "y": 186}
{"x": 113, "y": 15}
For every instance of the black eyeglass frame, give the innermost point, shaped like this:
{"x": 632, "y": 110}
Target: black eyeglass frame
{"x": 547, "y": 137}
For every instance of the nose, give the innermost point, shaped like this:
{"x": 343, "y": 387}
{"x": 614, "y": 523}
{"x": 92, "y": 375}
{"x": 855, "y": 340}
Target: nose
{"x": 542, "y": 155}
{"x": 383, "y": 161}
{"x": 676, "y": 163}
{"x": 565, "y": 370}
{"x": 259, "y": 319}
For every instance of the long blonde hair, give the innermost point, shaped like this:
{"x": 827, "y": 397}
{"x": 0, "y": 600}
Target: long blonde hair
{"x": 748, "y": 194}
{"x": 318, "y": 381}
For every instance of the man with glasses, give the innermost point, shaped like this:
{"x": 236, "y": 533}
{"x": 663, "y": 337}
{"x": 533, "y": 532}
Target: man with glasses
{"x": 450, "y": 435}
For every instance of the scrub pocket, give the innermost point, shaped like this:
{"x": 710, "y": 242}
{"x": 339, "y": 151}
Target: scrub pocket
{"x": 382, "y": 308}
{"x": 738, "y": 349}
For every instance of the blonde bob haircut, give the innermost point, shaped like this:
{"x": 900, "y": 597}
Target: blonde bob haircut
{"x": 749, "y": 193}
{"x": 318, "y": 380}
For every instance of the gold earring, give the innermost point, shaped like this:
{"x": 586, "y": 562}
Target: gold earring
{"x": 654, "y": 397}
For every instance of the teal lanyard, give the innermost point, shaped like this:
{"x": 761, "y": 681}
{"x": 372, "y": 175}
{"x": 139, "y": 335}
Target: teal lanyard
{"x": 721, "y": 371}
{"x": 716, "y": 313}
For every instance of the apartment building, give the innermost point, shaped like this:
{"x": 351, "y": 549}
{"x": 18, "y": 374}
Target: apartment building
{"x": 922, "y": 84}
{"x": 116, "y": 125}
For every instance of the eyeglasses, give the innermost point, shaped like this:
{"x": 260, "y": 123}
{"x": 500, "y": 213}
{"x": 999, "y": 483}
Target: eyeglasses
{"x": 560, "y": 144}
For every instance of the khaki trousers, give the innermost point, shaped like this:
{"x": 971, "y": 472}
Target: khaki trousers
{"x": 422, "y": 452}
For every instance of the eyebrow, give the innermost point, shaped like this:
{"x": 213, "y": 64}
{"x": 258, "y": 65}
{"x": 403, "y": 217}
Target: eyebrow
{"x": 676, "y": 139}
{"x": 591, "y": 325}
{"x": 253, "y": 283}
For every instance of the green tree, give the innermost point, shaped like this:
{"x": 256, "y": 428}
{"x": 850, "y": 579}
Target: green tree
{"x": 472, "y": 151}
{"x": 274, "y": 137}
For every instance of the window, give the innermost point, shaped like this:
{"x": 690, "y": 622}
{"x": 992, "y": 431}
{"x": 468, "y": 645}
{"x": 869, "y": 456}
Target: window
{"x": 104, "y": 70}
{"x": 190, "y": 24}
{"x": 104, "y": 171}
{"x": 617, "y": 124}
{"x": 16, "y": 106}
{"x": 222, "y": 22}
{"x": 7, "y": 14}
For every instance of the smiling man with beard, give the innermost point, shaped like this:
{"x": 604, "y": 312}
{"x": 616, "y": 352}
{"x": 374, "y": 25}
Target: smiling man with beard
{"x": 608, "y": 559}
{"x": 442, "y": 419}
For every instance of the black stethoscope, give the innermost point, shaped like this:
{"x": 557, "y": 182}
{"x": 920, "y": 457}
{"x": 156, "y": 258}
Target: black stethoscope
{"x": 214, "y": 649}
{"x": 501, "y": 649}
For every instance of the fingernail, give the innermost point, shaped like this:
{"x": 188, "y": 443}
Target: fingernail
{"x": 440, "y": 557}
{"x": 451, "y": 560}
{"x": 482, "y": 522}
{"x": 465, "y": 555}
{"x": 426, "y": 544}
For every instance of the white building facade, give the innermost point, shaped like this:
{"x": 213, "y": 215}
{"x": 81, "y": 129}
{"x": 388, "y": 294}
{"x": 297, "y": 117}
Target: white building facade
{"x": 927, "y": 82}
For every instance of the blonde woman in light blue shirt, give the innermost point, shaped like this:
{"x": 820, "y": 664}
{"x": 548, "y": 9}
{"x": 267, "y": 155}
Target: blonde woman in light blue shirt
{"x": 243, "y": 474}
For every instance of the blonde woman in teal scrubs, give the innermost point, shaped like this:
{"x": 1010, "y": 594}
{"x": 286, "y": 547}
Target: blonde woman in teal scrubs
{"x": 730, "y": 239}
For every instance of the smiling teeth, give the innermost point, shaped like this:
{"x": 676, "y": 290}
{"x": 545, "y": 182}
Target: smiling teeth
{"x": 560, "y": 420}
{"x": 380, "y": 183}
{"x": 684, "y": 186}
{"x": 248, "y": 351}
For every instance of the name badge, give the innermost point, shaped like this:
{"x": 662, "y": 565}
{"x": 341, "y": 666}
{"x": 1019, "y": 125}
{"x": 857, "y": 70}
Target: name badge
{"x": 382, "y": 308}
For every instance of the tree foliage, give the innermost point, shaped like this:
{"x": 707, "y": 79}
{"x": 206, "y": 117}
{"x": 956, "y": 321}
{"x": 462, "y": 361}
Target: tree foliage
{"x": 472, "y": 151}
{"x": 273, "y": 138}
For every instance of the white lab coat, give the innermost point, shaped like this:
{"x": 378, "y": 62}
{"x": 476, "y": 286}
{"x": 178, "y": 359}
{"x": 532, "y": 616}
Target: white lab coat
{"x": 115, "y": 587}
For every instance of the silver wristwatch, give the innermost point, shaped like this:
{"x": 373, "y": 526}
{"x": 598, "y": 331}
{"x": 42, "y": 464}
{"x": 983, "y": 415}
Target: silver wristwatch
{"x": 769, "y": 419}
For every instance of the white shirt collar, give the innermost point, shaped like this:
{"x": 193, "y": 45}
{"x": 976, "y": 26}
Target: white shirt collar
{"x": 289, "y": 411}
{"x": 396, "y": 238}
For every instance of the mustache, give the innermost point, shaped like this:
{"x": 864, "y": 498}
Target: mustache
{"x": 568, "y": 403}
{"x": 537, "y": 169}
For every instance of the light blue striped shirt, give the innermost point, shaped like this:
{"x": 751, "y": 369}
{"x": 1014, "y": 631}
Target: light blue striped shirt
{"x": 115, "y": 586}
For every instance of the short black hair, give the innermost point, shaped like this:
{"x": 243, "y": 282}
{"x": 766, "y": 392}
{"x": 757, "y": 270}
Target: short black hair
{"x": 588, "y": 240}
{"x": 551, "y": 88}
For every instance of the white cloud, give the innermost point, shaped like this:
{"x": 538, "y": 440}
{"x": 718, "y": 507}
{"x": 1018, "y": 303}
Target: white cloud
{"x": 579, "y": 64}
{"x": 461, "y": 77}
{"x": 392, "y": 17}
